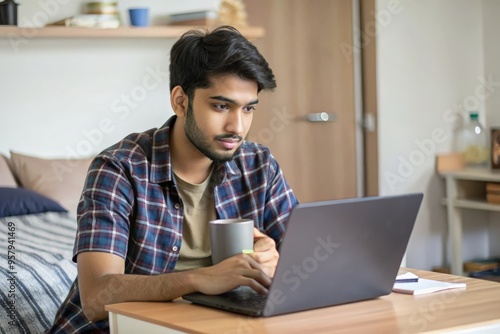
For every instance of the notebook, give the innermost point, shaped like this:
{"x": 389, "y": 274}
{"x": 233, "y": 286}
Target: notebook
{"x": 424, "y": 286}
{"x": 333, "y": 252}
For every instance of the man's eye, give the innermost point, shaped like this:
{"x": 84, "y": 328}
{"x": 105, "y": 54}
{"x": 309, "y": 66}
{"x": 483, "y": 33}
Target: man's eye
{"x": 249, "y": 109}
{"x": 221, "y": 106}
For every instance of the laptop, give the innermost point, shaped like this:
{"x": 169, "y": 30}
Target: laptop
{"x": 333, "y": 252}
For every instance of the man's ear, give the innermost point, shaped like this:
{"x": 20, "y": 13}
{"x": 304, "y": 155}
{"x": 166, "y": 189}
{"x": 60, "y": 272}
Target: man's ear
{"x": 179, "y": 101}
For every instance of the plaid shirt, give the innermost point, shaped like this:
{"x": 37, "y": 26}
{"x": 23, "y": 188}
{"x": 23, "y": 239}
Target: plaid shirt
{"x": 130, "y": 207}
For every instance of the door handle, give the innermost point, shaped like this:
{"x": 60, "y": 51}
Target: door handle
{"x": 321, "y": 117}
{"x": 369, "y": 122}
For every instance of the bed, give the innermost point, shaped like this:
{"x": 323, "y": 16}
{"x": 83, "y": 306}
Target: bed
{"x": 38, "y": 199}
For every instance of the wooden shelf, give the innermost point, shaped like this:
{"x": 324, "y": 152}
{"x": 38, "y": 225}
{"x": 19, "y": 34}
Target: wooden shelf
{"x": 475, "y": 204}
{"x": 475, "y": 175}
{"x": 465, "y": 189}
{"x": 122, "y": 32}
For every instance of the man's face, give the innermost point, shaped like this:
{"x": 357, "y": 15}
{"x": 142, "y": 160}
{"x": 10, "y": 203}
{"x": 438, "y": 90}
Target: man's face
{"x": 219, "y": 117}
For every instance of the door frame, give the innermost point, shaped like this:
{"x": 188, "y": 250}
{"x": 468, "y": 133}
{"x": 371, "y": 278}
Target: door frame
{"x": 366, "y": 40}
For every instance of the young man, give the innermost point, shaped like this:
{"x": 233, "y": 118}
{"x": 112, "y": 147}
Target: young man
{"x": 144, "y": 211}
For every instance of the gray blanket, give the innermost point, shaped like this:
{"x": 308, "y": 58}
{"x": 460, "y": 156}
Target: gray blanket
{"x": 36, "y": 269}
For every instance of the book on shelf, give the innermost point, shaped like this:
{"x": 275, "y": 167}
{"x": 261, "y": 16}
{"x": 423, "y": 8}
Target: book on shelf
{"x": 493, "y": 192}
{"x": 101, "y": 15}
{"x": 493, "y": 198}
{"x": 100, "y": 21}
{"x": 493, "y": 188}
{"x": 481, "y": 265}
{"x": 207, "y": 17}
{"x": 425, "y": 286}
{"x": 490, "y": 274}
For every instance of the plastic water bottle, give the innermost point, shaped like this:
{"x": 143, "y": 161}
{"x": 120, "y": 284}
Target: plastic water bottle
{"x": 473, "y": 143}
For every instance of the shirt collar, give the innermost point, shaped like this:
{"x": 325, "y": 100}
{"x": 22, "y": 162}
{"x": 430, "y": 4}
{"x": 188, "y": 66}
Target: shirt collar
{"x": 227, "y": 171}
{"x": 161, "y": 163}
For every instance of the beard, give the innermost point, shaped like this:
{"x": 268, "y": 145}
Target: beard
{"x": 201, "y": 142}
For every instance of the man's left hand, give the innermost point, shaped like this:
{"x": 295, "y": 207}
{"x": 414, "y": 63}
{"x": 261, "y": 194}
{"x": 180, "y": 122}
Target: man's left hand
{"x": 265, "y": 252}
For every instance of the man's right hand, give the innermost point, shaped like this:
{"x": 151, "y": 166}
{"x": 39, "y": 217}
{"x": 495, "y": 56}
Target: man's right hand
{"x": 102, "y": 281}
{"x": 229, "y": 274}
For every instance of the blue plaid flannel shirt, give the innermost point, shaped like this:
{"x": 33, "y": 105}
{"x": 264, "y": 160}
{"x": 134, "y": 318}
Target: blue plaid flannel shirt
{"x": 130, "y": 207}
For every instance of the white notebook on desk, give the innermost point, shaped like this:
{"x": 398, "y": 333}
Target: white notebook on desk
{"x": 424, "y": 286}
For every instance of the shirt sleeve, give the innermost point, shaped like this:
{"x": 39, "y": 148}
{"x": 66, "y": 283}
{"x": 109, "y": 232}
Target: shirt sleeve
{"x": 104, "y": 209}
{"x": 280, "y": 201}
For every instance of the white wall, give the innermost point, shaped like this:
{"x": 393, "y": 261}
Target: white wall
{"x": 89, "y": 92}
{"x": 431, "y": 62}
{"x": 491, "y": 26}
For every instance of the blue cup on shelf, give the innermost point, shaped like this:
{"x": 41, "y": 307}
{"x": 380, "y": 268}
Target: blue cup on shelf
{"x": 139, "y": 17}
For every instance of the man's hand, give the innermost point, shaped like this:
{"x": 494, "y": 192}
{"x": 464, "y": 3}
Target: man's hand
{"x": 265, "y": 252}
{"x": 229, "y": 274}
{"x": 254, "y": 270}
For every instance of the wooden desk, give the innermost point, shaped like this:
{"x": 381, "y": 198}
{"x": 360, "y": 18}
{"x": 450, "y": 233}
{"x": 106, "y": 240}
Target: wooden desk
{"x": 475, "y": 309}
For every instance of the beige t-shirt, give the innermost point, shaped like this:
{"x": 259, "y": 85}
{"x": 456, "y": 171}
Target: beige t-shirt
{"x": 199, "y": 209}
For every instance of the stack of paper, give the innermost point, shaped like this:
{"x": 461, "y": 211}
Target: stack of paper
{"x": 102, "y": 21}
{"x": 423, "y": 286}
{"x": 94, "y": 21}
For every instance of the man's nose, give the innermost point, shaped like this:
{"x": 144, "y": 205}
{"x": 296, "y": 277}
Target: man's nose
{"x": 235, "y": 122}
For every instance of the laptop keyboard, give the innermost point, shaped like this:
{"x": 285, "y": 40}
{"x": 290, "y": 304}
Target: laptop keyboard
{"x": 246, "y": 297}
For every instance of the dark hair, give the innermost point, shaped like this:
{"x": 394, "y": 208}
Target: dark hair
{"x": 199, "y": 56}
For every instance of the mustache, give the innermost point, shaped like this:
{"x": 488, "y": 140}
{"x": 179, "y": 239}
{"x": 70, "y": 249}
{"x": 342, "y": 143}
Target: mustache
{"x": 229, "y": 136}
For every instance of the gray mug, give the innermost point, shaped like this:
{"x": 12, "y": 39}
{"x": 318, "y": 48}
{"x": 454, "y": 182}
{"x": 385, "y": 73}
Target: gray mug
{"x": 229, "y": 237}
